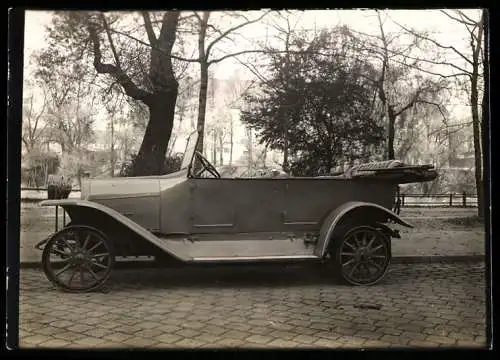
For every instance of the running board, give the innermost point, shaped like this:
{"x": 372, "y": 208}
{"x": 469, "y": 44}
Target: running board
{"x": 255, "y": 258}
{"x": 240, "y": 250}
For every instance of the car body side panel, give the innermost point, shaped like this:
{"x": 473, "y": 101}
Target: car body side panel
{"x": 175, "y": 205}
{"x": 308, "y": 201}
{"x": 136, "y": 198}
{"x": 279, "y": 205}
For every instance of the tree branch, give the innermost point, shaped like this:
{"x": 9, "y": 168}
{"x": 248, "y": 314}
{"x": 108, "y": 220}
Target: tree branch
{"x": 230, "y": 30}
{"x": 431, "y": 72}
{"x": 462, "y": 15}
{"x": 111, "y": 44}
{"x": 267, "y": 51}
{"x": 434, "y": 42}
{"x": 446, "y": 128}
{"x": 445, "y": 63}
{"x": 176, "y": 57}
{"x": 125, "y": 81}
{"x": 410, "y": 103}
{"x": 435, "y": 104}
{"x": 39, "y": 115}
{"x": 457, "y": 19}
{"x": 149, "y": 28}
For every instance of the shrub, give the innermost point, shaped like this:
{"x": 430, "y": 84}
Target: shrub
{"x": 171, "y": 164}
{"x": 37, "y": 165}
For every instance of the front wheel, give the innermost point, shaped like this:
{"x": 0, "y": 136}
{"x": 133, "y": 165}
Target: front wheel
{"x": 362, "y": 256}
{"x": 78, "y": 259}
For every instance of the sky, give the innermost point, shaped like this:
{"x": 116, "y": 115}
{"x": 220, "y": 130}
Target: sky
{"x": 444, "y": 30}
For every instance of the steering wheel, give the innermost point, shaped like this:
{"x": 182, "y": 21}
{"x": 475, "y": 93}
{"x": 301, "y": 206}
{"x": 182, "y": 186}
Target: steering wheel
{"x": 207, "y": 166}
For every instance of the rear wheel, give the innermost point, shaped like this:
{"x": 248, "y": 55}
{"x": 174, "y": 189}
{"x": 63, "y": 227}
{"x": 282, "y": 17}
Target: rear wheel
{"x": 362, "y": 256}
{"x": 78, "y": 259}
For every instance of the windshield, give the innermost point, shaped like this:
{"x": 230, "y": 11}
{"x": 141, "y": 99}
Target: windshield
{"x": 190, "y": 149}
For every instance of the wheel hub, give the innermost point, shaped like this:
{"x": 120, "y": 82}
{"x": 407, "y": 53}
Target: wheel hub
{"x": 362, "y": 254}
{"x": 81, "y": 258}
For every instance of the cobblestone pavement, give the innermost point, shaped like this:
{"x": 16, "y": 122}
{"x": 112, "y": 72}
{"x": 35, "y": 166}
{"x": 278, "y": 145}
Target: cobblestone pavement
{"x": 248, "y": 306}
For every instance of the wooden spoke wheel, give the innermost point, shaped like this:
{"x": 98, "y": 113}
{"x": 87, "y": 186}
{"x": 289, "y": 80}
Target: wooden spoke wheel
{"x": 78, "y": 259}
{"x": 363, "y": 256}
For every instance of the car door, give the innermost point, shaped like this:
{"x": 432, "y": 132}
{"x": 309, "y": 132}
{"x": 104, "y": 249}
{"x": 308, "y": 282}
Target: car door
{"x": 212, "y": 206}
{"x": 237, "y": 205}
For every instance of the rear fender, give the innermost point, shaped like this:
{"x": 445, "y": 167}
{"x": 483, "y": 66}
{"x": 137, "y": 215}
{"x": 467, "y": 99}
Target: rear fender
{"x": 72, "y": 206}
{"x": 350, "y": 214}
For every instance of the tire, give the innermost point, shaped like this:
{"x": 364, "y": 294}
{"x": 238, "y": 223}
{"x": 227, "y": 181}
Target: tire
{"x": 362, "y": 256}
{"x": 81, "y": 250}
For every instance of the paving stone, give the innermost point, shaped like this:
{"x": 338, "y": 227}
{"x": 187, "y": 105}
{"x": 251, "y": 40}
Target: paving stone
{"x": 168, "y": 338}
{"x": 281, "y": 343}
{"x": 35, "y": 339}
{"x": 231, "y": 343}
{"x": 259, "y": 339}
{"x": 89, "y": 341}
{"x": 54, "y": 344}
{"x": 441, "y": 340}
{"x": 117, "y": 337}
{"x": 140, "y": 342}
{"x": 189, "y": 343}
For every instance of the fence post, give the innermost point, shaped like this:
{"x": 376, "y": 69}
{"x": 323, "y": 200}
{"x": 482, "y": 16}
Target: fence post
{"x": 402, "y": 199}
{"x": 451, "y": 200}
{"x": 464, "y": 199}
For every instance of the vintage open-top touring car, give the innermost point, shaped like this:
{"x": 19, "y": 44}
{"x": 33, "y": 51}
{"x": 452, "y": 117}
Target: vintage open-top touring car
{"x": 345, "y": 220}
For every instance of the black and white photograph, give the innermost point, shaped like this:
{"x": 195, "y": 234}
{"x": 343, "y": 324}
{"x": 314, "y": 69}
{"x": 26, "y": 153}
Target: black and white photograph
{"x": 243, "y": 179}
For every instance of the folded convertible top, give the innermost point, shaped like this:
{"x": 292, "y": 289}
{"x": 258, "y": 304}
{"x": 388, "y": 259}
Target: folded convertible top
{"x": 393, "y": 171}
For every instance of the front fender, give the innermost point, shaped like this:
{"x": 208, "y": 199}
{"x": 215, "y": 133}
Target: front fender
{"x": 377, "y": 213}
{"x": 123, "y": 220}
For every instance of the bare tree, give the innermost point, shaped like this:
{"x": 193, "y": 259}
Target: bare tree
{"x": 469, "y": 68}
{"x": 113, "y": 109}
{"x": 237, "y": 88}
{"x": 33, "y": 127}
{"x": 205, "y": 49}
{"x": 282, "y": 23}
{"x": 399, "y": 89}
{"x": 485, "y": 121}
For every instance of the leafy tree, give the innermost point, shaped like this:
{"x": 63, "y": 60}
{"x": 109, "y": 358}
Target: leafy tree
{"x": 327, "y": 98}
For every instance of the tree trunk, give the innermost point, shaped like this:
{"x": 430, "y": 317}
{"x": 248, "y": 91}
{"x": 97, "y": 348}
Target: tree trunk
{"x": 161, "y": 102}
{"x": 202, "y": 105}
{"x": 285, "y": 165}
{"x": 250, "y": 150}
{"x": 151, "y": 156}
{"x": 221, "y": 150}
{"x": 476, "y": 121}
{"x": 214, "y": 147}
{"x": 476, "y": 131}
{"x": 202, "y": 97}
{"x": 264, "y": 156}
{"x": 112, "y": 150}
{"x": 391, "y": 132}
{"x": 231, "y": 139}
{"x": 485, "y": 121}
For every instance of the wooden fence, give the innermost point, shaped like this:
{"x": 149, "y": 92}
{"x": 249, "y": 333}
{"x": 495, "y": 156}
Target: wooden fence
{"x": 441, "y": 200}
